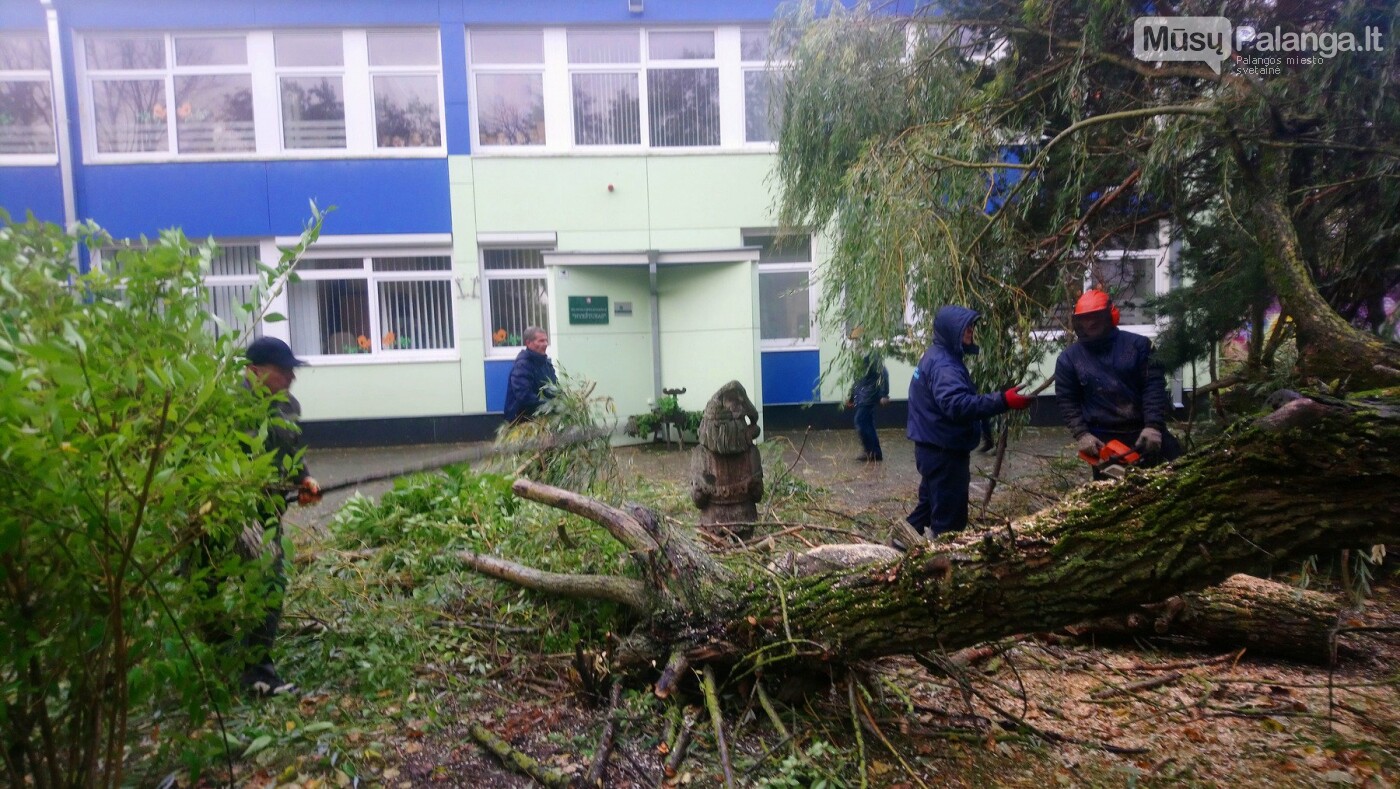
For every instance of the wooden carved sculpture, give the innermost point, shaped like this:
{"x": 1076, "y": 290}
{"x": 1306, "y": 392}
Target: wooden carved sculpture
{"x": 726, "y": 471}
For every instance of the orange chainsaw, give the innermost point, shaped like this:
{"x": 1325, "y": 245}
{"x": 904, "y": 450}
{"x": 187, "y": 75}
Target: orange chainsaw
{"x": 1113, "y": 459}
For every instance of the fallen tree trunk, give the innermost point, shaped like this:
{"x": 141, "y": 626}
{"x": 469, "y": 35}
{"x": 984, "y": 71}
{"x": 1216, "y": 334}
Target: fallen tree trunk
{"x": 1264, "y": 617}
{"x": 1313, "y": 476}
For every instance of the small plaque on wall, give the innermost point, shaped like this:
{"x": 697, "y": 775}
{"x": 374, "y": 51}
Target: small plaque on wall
{"x": 588, "y": 309}
{"x": 622, "y": 308}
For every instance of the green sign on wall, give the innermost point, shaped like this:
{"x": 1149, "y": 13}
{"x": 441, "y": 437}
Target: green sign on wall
{"x": 588, "y": 309}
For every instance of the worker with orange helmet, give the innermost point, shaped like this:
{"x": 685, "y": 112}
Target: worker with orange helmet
{"x": 1110, "y": 386}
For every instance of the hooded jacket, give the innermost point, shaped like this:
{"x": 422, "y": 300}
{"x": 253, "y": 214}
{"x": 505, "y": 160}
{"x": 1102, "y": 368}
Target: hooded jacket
{"x": 1113, "y": 383}
{"x": 944, "y": 406}
{"x": 873, "y": 385}
{"x": 529, "y": 374}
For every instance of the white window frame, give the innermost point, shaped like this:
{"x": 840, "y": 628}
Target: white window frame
{"x": 1161, "y": 273}
{"x": 356, "y": 79}
{"x": 747, "y": 67}
{"x": 33, "y": 75}
{"x": 807, "y": 267}
{"x": 344, "y": 248}
{"x": 528, "y": 69}
{"x": 499, "y": 352}
{"x": 557, "y": 85}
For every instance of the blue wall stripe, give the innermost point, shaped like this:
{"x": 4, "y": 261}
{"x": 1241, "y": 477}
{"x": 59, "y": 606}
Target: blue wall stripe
{"x": 37, "y": 189}
{"x": 269, "y": 198}
{"x": 790, "y": 377}
{"x": 497, "y": 375}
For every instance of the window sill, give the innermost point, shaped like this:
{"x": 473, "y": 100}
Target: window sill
{"x": 575, "y": 153}
{"x": 329, "y": 155}
{"x": 383, "y": 358}
{"x": 764, "y": 346}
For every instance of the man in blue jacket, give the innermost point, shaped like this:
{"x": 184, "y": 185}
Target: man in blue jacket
{"x": 944, "y": 412}
{"x": 525, "y": 391}
{"x": 870, "y": 390}
{"x": 1110, "y": 386}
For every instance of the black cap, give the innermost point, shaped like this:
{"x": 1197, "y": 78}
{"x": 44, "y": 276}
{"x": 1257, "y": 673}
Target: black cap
{"x": 272, "y": 351}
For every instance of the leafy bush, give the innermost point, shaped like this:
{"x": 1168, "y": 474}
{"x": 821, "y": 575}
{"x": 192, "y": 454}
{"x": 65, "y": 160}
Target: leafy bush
{"x": 567, "y": 443}
{"x": 126, "y": 443}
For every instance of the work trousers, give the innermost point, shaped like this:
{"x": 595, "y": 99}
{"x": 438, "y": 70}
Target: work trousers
{"x": 865, "y": 428}
{"x": 944, "y": 476}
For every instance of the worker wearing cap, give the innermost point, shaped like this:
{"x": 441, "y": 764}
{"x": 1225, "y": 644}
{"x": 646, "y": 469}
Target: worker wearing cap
{"x": 271, "y": 370}
{"x": 1109, "y": 385}
{"x": 944, "y": 412}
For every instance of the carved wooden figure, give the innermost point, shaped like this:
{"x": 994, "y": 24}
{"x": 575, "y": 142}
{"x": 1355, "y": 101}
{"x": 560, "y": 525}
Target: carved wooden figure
{"x": 726, "y": 471}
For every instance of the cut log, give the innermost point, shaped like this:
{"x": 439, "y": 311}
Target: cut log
{"x": 1318, "y": 474}
{"x": 1264, "y": 617}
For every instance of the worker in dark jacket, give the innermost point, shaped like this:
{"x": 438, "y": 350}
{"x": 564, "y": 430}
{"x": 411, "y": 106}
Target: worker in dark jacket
{"x": 271, "y": 370}
{"x": 944, "y": 411}
{"x": 870, "y": 391}
{"x": 525, "y": 391}
{"x": 1110, "y": 386}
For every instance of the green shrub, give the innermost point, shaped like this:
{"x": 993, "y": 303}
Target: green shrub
{"x": 126, "y": 442}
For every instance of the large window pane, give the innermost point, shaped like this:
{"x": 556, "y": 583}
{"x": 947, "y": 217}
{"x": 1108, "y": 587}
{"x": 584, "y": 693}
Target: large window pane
{"x": 329, "y": 317}
{"x": 517, "y": 304}
{"x": 604, "y": 46}
{"x": 26, "y": 117}
{"x": 214, "y": 114}
{"x": 792, "y": 248}
{"x": 1131, "y": 281}
{"x": 211, "y": 51}
{"x": 406, "y": 112}
{"x": 688, "y": 45}
{"x": 125, "y": 53}
{"x": 24, "y": 53}
{"x": 761, "y": 115}
{"x": 507, "y": 46}
{"x": 403, "y": 48}
{"x": 130, "y": 115}
{"x": 415, "y": 315}
{"x": 236, "y": 267}
{"x": 510, "y": 109}
{"x": 313, "y": 112}
{"x": 606, "y": 109}
{"x": 683, "y": 106}
{"x": 784, "y": 305}
{"x": 308, "y": 49}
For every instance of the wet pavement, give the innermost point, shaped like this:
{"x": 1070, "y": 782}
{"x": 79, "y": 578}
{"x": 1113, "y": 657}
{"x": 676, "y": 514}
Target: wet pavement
{"x": 825, "y": 458}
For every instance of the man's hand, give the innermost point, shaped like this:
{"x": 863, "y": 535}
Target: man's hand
{"x": 1089, "y": 444}
{"x": 849, "y": 404}
{"x": 884, "y": 401}
{"x": 308, "y": 491}
{"x": 1015, "y": 400}
{"x": 1149, "y": 442}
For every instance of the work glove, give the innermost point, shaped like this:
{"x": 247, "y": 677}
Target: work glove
{"x": 1149, "y": 442}
{"x": 1089, "y": 444}
{"x": 1015, "y": 400}
{"x": 308, "y": 491}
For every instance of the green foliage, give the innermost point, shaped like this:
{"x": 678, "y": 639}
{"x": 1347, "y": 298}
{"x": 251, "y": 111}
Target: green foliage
{"x": 667, "y": 411}
{"x": 567, "y": 443}
{"x": 985, "y": 152}
{"x": 805, "y": 770}
{"x": 129, "y": 447}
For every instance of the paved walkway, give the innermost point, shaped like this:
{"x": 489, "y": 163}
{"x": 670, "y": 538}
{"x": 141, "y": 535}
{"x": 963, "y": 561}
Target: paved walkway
{"x": 825, "y": 458}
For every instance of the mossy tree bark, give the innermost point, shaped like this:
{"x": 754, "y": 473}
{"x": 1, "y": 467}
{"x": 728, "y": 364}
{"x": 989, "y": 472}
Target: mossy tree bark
{"x": 1313, "y": 476}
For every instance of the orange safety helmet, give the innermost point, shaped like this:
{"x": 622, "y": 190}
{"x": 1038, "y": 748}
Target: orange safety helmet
{"x": 1094, "y": 300}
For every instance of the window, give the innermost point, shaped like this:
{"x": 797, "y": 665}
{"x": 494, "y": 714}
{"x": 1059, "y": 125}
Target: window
{"x": 404, "y": 69}
{"x": 509, "y": 84}
{"x": 26, "y": 101}
{"x": 379, "y": 306}
{"x": 1131, "y": 279}
{"x": 682, "y": 88}
{"x": 311, "y": 83}
{"x": 763, "y": 81}
{"x": 604, "y": 80}
{"x": 784, "y": 289}
{"x": 154, "y": 96}
{"x": 231, "y": 283}
{"x": 517, "y": 295}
